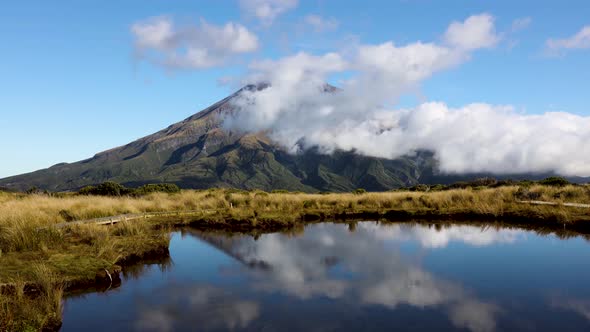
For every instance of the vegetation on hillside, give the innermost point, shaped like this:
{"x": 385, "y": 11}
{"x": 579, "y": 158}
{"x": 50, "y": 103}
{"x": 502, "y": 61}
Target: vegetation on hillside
{"x": 110, "y": 188}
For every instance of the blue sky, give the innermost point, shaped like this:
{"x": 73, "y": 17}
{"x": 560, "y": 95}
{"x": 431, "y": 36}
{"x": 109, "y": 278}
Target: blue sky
{"x": 71, "y": 86}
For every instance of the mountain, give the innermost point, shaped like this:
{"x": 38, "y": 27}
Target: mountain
{"x": 199, "y": 153}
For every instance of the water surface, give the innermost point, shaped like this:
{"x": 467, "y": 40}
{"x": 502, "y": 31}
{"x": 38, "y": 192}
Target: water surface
{"x": 361, "y": 277}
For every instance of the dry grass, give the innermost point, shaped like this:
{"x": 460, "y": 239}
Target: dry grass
{"x": 50, "y": 259}
{"x": 22, "y": 312}
{"x": 33, "y": 251}
{"x": 21, "y": 214}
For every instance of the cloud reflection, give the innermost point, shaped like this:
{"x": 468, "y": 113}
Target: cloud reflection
{"x": 433, "y": 237}
{"x": 189, "y": 307}
{"x": 362, "y": 268}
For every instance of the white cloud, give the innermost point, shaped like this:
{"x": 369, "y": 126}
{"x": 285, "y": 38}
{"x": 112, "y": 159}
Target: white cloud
{"x": 580, "y": 40}
{"x": 267, "y": 10}
{"x": 157, "y": 33}
{"x": 477, "y": 31}
{"x": 410, "y": 63}
{"x": 321, "y": 24}
{"x": 203, "y": 46}
{"x": 296, "y": 111}
{"x": 520, "y": 24}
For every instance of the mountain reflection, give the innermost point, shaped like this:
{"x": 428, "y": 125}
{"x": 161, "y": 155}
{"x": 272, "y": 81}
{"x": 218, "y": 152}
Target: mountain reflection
{"x": 364, "y": 267}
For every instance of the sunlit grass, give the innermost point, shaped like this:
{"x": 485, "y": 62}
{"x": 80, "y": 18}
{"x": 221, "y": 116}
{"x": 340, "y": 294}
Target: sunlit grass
{"x": 32, "y": 251}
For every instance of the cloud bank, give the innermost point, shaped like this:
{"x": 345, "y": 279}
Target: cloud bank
{"x": 159, "y": 41}
{"x": 298, "y": 110}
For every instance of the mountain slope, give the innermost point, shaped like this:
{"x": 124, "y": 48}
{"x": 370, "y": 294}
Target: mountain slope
{"x": 198, "y": 153}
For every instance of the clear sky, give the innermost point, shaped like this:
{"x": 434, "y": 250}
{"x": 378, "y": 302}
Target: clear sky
{"x": 74, "y": 80}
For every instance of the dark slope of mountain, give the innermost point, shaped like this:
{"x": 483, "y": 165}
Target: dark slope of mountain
{"x": 198, "y": 153}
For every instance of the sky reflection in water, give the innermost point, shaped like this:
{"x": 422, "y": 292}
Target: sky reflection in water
{"x": 368, "y": 277}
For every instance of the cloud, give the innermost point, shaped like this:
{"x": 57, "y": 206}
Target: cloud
{"x": 580, "y": 40}
{"x": 321, "y": 24}
{"x": 267, "y": 10}
{"x": 298, "y": 113}
{"x": 400, "y": 66}
{"x": 520, "y": 24}
{"x": 475, "y": 32}
{"x": 195, "y": 47}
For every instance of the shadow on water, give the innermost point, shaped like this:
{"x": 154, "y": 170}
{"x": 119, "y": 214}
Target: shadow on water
{"x": 353, "y": 276}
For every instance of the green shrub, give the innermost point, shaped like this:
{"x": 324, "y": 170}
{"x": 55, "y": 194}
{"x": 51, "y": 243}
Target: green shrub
{"x": 556, "y": 181}
{"x": 420, "y": 187}
{"x": 484, "y": 182}
{"x": 359, "y": 191}
{"x": 88, "y": 190}
{"x": 169, "y": 188}
{"x": 525, "y": 183}
{"x": 460, "y": 185}
{"x": 438, "y": 187}
{"x": 108, "y": 188}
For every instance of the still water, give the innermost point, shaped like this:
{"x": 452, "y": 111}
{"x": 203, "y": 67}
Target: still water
{"x": 362, "y": 277}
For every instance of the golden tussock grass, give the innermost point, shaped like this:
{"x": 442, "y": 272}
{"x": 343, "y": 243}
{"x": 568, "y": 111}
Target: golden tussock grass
{"x": 33, "y": 251}
{"x": 23, "y": 312}
{"x": 21, "y": 215}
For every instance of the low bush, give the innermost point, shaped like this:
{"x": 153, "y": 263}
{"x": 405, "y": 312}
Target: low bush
{"x": 484, "y": 182}
{"x": 110, "y": 188}
{"x": 169, "y": 188}
{"x": 438, "y": 187}
{"x": 556, "y": 181}
{"x": 420, "y": 187}
{"x": 459, "y": 185}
